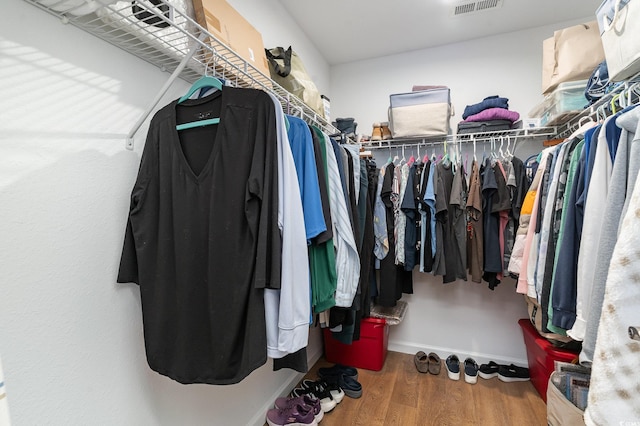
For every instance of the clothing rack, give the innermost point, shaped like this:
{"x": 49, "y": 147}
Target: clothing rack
{"x": 182, "y": 47}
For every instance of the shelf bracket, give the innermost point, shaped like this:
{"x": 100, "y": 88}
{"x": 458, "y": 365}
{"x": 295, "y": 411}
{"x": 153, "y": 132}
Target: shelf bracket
{"x": 162, "y": 91}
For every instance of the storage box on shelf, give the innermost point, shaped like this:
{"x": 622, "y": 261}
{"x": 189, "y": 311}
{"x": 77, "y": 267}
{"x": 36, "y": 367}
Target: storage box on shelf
{"x": 541, "y": 356}
{"x": 369, "y": 352}
{"x": 230, "y": 27}
{"x": 561, "y": 105}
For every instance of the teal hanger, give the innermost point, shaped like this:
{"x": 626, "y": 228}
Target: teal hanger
{"x": 200, "y": 123}
{"x": 201, "y": 83}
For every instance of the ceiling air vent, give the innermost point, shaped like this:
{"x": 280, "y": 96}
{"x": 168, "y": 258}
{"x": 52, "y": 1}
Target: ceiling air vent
{"x": 471, "y": 7}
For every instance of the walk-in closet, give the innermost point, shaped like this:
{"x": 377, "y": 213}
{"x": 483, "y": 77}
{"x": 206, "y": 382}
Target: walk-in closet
{"x": 296, "y": 212}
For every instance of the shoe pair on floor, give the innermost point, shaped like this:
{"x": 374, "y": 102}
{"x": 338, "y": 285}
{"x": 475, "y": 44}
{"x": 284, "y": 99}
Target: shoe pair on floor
{"x": 470, "y": 368}
{"x": 427, "y": 363}
{"x": 506, "y": 373}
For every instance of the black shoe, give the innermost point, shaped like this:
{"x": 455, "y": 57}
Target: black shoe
{"x": 488, "y": 371}
{"x": 350, "y": 386}
{"x": 470, "y": 371}
{"x": 337, "y": 370}
{"x": 453, "y": 367}
{"x": 513, "y": 373}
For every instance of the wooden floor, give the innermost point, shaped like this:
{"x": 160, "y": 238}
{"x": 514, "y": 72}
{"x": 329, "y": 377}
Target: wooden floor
{"x": 400, "y": 395}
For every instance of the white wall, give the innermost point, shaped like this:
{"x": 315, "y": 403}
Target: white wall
{"x": 509, "y": 65}
{"x": 70, "y": 337}
{"x": 463, "y": 318}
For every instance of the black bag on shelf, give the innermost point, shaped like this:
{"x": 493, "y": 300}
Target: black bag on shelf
{"x": 483, "y": 126}
{"x": 147, "y": 17}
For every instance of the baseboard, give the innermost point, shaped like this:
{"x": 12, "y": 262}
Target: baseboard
{"x": 481, "y": 358}
{"x": 284, "y": 389}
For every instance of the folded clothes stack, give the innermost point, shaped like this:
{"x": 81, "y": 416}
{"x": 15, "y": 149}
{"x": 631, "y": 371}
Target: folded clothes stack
{"x": 490, "y": 115}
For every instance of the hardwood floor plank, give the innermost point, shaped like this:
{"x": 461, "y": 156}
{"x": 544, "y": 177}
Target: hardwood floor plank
{"x": 407, "y": 383}
{"x": 401, "y": 415}
{"x": 400, "y": 395}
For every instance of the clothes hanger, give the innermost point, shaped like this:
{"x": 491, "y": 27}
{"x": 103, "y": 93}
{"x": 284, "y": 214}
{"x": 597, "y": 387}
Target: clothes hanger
{"x": 403, "y": 159}
{"x": 445, "y": 158}
{"x": 203, "y": 82}
{"x": 474, "y": 150}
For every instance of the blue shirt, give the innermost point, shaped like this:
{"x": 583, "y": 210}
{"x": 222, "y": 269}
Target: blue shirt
{"x": 301, "y": 143}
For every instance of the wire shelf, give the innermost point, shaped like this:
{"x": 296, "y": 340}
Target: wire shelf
{"x": 540, "y": 132}
{"x": 166, "y": 46}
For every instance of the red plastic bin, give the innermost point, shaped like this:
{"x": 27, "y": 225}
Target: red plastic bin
{"x": 369, "y": 352}
{"x": 541, "y": 355}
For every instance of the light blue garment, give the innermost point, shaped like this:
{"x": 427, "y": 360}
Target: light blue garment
{"x": 301, "y": 143}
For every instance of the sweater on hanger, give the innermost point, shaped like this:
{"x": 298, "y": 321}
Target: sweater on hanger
{"x": 627, "y": 152}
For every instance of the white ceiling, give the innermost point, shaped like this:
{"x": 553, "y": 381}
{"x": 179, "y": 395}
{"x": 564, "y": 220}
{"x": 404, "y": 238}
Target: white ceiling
{"x": 350, "y": 30}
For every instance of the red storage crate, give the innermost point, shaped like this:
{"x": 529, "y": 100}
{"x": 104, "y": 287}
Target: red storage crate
{"x": 369, "y": 352}
{"x": 541, "y": 355}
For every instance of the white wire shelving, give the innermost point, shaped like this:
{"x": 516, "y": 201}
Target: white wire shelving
{"x": 180, "y": 46}
{"x": 187, "y": 50}
{"x": 517, "y": 134}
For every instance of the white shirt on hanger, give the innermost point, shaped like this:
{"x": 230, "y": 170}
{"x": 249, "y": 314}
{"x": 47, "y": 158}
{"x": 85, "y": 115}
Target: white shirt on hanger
{"x": 287, "y": 310}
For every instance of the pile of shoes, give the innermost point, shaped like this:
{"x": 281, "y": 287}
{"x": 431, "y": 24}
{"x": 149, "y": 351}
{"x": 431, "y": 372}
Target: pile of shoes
{"x": 312, "y": 399}
{"x": 490, "y": 115}
{"x": 506, "y": 373}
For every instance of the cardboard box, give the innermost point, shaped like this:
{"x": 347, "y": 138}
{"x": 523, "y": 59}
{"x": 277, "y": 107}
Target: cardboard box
{"x": 229, "y": 27}
{"x": 369, "y": 352}
{"x": 541, "y": 355}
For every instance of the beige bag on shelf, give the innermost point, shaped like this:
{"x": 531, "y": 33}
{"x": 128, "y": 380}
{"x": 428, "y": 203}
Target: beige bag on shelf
{"x": 619, "y": 24}
{"x": 571, "y": 54}
{"x": 421, "y": 113}
{"x": 288, "y": 71}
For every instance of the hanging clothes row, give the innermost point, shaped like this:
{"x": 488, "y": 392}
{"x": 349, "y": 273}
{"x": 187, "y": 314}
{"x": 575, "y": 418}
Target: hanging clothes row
{"x": 446, "y": 222}
{"x": 576, "y": 253}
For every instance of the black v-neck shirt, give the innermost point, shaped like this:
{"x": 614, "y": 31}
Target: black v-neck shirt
{"x": 202, "y": 238}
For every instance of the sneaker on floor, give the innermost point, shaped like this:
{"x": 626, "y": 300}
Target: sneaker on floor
{"x": 453, "y": 367}
{"x": 513, "y": 373}
{"x": 488, "y": 371}
{"x": 350, "y": 386}
{"x": 305, "y": 401}
{"x": 470, "y": 371}
{"x": 291, "y": 416}
{"x": 337, "y": 370}
{"x": 317, "y": 391}
{"x": 336, "y": 392}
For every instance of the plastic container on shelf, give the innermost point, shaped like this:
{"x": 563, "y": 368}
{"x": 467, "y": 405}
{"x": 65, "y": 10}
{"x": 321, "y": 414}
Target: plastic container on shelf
{"x": 565, "y": 102}
{"x": 541, "y": 355}
{"x": 369, "y": 352}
